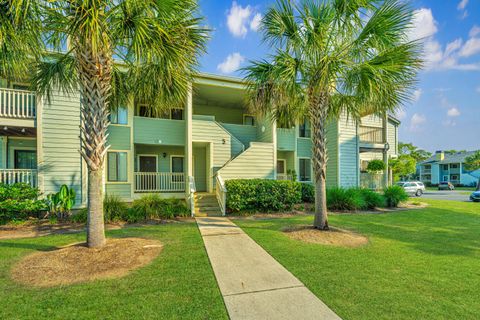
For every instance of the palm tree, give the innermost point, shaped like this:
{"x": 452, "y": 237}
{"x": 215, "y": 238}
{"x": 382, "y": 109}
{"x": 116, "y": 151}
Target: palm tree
{"x": 157, "y": 44}
{"x": 330, "y": 58}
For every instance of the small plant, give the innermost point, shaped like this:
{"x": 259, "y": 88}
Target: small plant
{"x": 113, "y": 208}
{"x": 62, "y": 202}
{"x": 18, "y": 202}
{"x": 292, "y": 173}
{"x": 308, "y": 193}
{"x": 394, "y": 195}
{"x": 375, "y": 166}
{"x": 372, "y": 199}
{"x": 339, "y": 199}
{"x": 80, "y": 216}
{"x": 153, "y": 206}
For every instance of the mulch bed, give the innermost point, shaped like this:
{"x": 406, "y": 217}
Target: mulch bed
{"x": 333, "y": 236}
{"x": 77, "y": 263}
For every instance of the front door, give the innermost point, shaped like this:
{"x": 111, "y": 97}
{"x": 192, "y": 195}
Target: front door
{"x": 147, "y": 163}
{"x": 147, "y": 181}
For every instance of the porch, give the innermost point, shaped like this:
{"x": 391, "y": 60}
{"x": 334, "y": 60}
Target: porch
{"x": 11, "y": 176}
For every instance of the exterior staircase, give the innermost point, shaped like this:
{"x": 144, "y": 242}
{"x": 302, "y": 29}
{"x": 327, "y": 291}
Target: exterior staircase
{"x": 206, "y": 205}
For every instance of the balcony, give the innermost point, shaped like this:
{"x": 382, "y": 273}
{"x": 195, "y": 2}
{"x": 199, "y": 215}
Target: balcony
{"x": 426, "y": 171}
{"x": 157, "y": 131}
{"x": 17, "y": 104}
{"x": 159, "y": 182}
{"x": 11, "y": 176}
{"x": 373, "y": 135}
{"x": 372, "y": 181}
{"x": 286, "y": 139}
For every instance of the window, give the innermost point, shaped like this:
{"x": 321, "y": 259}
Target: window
{"x": 454, "y": 166}
{"x": 25, "y": 159}
{"x": 445, "y": 167}
{"x": 304, "y": 130}
{"x": 176, "y": 114}
{"x": 248, "y": 120}
{"x": 281, "y": 166}
{"x": 117, "y": 166}
{"x": 454, "y": 177}
{"x": 177, "y": 163}
{"x": 119, "y": 116}
{"x": 305, "y": 170}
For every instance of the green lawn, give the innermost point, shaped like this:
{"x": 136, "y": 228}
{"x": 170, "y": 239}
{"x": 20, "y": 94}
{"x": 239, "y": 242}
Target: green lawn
{"x": 179, "y": 284}
{"x": 419, "y": 264}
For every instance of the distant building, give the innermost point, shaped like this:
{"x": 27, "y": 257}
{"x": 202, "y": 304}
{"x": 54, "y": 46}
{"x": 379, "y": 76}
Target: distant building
{"x": 448, "y": 167}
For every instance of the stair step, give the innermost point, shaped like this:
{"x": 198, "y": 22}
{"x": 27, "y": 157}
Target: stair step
{"x": 207, "y": 203}
{"x": 207, "y": 208}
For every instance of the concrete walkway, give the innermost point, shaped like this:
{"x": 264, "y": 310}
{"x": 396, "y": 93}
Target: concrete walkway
{"x": 253, "y": 284}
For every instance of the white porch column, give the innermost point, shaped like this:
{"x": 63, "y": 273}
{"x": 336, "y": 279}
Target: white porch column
{"x": 385, "y": 152}
{"x": 188, "y": 139}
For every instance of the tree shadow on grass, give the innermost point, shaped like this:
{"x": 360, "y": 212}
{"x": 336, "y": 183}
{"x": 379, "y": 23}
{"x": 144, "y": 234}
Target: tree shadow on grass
{"x": 27, "y": 245}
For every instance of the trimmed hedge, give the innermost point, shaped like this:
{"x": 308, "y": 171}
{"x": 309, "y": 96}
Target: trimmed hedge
{"x": 262, "y": 195}
{"x": 18, "y": 202}
{"x": 308, "y": 192}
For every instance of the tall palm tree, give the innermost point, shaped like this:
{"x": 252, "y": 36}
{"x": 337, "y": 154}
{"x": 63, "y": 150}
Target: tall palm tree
{"x": 157, "y": 44}
{"x": 330, "y": 58}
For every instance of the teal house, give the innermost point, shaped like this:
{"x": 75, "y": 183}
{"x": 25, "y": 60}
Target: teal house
{"x": 184, "y": 152}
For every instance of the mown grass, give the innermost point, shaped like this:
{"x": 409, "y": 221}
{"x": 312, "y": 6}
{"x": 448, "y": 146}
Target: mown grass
{"x": 419, "y": 264}
{"x": 179, "y": 284}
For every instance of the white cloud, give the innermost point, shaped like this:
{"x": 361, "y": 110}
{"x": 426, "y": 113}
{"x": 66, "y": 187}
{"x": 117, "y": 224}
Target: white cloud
{"x": 453, "y": 112}
{"x": 255, "y": 23}
{"x": 475, "y": 31}
{"x": 471, "y": 47}
{"x": 417, "y": 94}
{"x": 231, "y": 63}
{"x": 453, "y": 46}
{"x": 239, "y": 19}
{"x": 416, "y": 121}
{"x": 462, "y": 5}
{"x": 424, "y": 25}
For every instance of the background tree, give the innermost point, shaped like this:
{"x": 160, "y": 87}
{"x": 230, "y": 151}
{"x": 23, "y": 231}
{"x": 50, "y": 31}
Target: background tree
{"x": 157, "y": 42}
{"x": 472, "y": 163}
{"x": 331, "y": 58}
{"x": 403, "y": 166}
{"x": 409, "y": 149}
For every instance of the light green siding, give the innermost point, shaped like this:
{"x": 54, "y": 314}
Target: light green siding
{"x": 122, "y": 190}
{"x": 222, "y": 114}
{"x": 332, "y": 152}
{"x": 265, "y": 130}
{"x": 289, "y": 156}
{"x": 392, "y": 138}
{"x": 163, "y": 163}
{"x": 286, "y": 139}
{"x": 60, "y": 161}
{"x": 119, "y": 137}
{"x": 255, "y": 162}
{"x": 348, "y": 152}
{"x": 158, "y": 131}
{"x": 304, "y": 147}
{"x": 199, "y": 168}
{"x": 245, "y": 134}
{"x": 209, "y": 131}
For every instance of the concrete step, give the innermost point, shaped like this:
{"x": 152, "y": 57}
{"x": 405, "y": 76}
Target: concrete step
{"x": 206, "y": 203}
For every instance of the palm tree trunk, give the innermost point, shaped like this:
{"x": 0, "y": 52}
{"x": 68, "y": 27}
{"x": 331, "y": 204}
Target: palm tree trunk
{"x": 95, "y": 70}
{"x": 95, "y": 223}
{"x": 318, "y": 118}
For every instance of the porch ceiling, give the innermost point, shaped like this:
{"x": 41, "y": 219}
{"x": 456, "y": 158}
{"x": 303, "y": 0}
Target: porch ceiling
{"x": 217, "y": 95}
{"x": 18, "y": 131}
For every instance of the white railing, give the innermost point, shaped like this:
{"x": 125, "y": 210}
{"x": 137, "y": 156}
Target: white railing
{"x": 11, "y": 176}
{"x": 374, "y": 181}
{"x": 282, "y": 176}
{"x": 159, "y": 182}
{"x": 191, "y": 194}
{"x": 221, "y": 193}
{"x": 17, "y": 103}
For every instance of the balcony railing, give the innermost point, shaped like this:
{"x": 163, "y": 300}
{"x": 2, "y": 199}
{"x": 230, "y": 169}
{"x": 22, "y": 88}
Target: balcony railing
{"x": 372, "y": 181}
{"x": 11, "y": 176}
{"x": 282, "y": 176}
{"x": 371, "y": 134}
{"x": 426, "y": 171}
{"x": 159, "y": 182}
{"x": 17, "y": 104}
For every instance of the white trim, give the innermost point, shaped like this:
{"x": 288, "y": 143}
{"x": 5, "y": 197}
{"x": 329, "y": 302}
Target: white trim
{"x": 311, "y": 169}
{"x": 128, "y": 167}
{"x": 147, "y": 155}
{"x": 179, "y": 156}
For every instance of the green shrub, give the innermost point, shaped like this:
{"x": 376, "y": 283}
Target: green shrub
{"x": 262, "y": 195}
{"x": 372, "y": 199}
{"x": 153, "y": 206}
{"x": 134, "y": 215}
{"x": 18, "y": 202}
{"x": 80, "y": 216}
{"x": 113, "y": 208}
{"x": 376, "y": 166}
{"x": 308, "y": 192}
{"x": 394, "y": 195}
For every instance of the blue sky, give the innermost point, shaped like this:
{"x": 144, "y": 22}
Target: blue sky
{"x": 446, "y": 111}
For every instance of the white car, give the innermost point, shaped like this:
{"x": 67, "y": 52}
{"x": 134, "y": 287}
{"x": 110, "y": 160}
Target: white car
{"x": 413, "y": 187}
